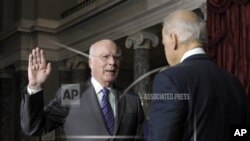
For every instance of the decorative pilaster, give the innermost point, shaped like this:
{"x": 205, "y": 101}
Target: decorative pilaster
{"x": 141, "y": 43}
{"x": 21, "y": 81}
{"x": 7, "y": 84}
{"x": 13, "y": 81}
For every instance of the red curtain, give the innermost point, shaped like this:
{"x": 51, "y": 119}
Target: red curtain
{"x": 228, "y": 26}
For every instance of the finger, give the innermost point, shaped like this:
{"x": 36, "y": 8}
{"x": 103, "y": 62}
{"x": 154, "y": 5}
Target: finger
{"x": 30, "y": 60}
{"x": 34, "y": 56}
{"x": 48, "y": 70}
{"x": 43, "y": 61}
{"x": 38, "y": 55}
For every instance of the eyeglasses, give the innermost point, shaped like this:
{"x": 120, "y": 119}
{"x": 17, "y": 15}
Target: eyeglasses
{"x": 116, "y": 57}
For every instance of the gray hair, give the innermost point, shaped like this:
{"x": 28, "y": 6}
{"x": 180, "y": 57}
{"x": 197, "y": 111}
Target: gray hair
{"x": 92, "y": 47}
{"x": 186, "y": 29}
{"x": 91, "y": 51}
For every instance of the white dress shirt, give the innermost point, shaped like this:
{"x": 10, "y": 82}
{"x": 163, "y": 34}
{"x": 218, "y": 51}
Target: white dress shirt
{"x": 98, "y": 87}
{"x": 192, "y": 52}
{"x": 33, "y": 91}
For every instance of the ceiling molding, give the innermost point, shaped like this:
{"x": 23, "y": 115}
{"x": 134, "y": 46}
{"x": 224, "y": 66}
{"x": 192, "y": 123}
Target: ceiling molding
{"x": 116, "y": 30}
{"x": 130, "y": 26}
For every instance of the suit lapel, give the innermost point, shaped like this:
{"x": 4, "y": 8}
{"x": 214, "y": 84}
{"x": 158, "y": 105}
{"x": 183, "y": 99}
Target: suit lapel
{"x": 120, "y": 104}
{"x": 92, "y": 102}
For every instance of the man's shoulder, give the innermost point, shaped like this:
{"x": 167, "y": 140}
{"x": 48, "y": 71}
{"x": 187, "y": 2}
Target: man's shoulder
{"x": 86, "y": 84}
{"x": 174, "y": 70}
{"x": 128, "y": 95}
{"x": 123, "y": 92}
{"x": 131, "y": 99}
{"x": 177, "y": 74}
{"x": 132, "y": 95}
{"x": 186, "y": 67}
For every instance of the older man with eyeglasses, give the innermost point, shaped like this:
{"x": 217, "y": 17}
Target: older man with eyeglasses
{"x": 103, "y": 113}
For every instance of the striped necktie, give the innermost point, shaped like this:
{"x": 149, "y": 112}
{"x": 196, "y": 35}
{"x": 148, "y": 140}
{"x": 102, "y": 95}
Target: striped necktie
{"x": 107, "y": 111}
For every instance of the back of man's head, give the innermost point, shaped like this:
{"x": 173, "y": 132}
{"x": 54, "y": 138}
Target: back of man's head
{"x": 186, "y": 25}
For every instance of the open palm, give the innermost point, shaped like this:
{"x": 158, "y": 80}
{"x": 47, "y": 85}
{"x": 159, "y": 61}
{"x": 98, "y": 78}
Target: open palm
{"x": 38, "y": 70}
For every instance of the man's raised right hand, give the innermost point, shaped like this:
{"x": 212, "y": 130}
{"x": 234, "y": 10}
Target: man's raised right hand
{"x": 38, "y": 69}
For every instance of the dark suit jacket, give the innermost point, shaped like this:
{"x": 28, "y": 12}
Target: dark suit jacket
{"x": 82, "y": 122}
{"x": 196, "y": 100}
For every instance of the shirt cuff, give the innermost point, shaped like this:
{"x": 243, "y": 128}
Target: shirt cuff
{"x": 33, "y": 91}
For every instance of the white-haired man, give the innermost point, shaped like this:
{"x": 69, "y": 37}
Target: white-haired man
{"x": 103, "y": 113}
{"x": 205, "y": 100}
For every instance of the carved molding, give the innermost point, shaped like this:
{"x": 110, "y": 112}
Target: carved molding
{"x": 6, "y": 61}
{"x": 82, "y": 39}
{"x": 73, "y": 63}
{"x": 142, "y": 39}
{"x": 55, "y": 26}
{"x": 76, "y": 62}
{"x": 129, "y": 26}
{"x": 46, "y": 25}
{"x": 6, "y": 73}
{"x": 87, "y": 12}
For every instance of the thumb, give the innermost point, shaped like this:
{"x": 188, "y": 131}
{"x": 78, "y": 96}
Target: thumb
{"x": 48, "y": 70}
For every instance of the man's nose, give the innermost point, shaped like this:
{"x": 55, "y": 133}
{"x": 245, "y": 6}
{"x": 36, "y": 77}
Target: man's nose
{"x": 112, "y": 59}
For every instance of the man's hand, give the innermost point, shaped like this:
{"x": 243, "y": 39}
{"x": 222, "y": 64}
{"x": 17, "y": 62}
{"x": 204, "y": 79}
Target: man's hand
{"x": 38, "y": 70}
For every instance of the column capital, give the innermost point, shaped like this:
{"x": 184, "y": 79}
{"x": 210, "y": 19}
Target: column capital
{"x": 73, "y": 63}
{"x": 142, "y": 39}
{"x": 76, "y": 62}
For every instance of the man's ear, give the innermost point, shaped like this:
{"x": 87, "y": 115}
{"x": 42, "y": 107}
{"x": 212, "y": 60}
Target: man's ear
{"x": 90, "y": 62}
{"x": 173, "y": 41}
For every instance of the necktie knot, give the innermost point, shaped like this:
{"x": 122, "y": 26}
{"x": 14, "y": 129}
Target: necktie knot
{"x": 105, "y": 90}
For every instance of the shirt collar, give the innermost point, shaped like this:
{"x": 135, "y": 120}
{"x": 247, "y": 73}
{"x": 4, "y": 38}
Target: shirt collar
{"x": 97, "y": 86}
{"x": 192, "y": 52}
